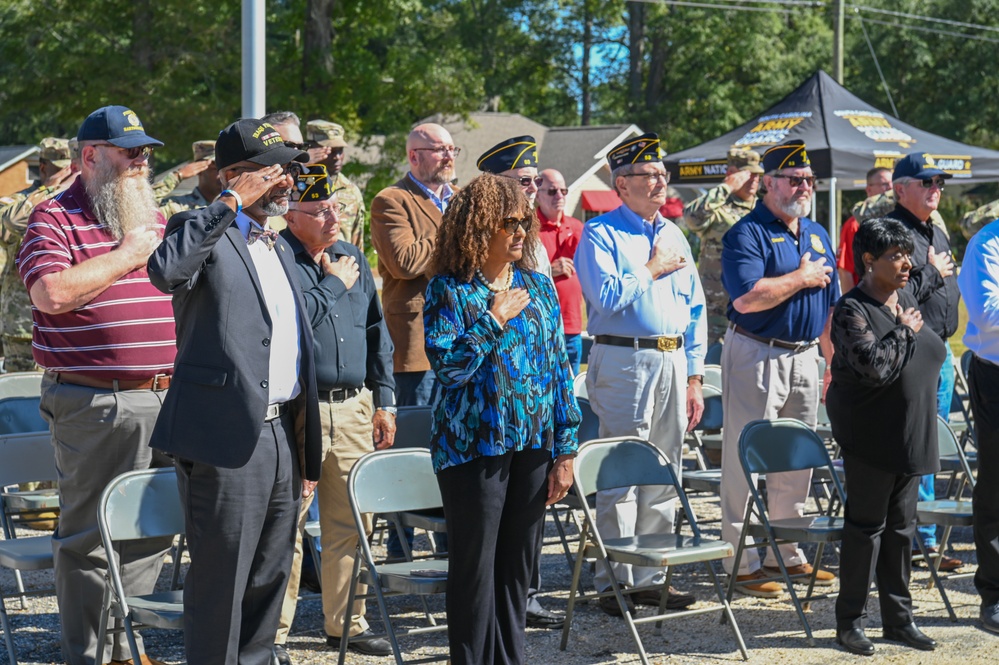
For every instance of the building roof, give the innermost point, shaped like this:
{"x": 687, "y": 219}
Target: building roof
{"x": 575, "y": 150}
{"x": 12, "y": 154}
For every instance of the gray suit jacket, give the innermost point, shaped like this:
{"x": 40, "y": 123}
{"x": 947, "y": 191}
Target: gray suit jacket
{"x": 215, "y": 408}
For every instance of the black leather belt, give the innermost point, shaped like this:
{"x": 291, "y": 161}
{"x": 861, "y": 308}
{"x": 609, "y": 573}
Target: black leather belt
{"x": 662, "y": 343}
{"x": 275, "y": 411}
{"x": 338, "y": 394}
{"x": 797, "y": 347}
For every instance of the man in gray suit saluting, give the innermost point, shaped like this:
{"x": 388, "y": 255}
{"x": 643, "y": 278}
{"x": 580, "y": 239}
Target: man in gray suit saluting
{"x": 241, "y": 419}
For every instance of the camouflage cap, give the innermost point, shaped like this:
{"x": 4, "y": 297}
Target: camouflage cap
{"x": 325, "y": 133}
{"x": 745, "y": 160}
{"x": 55, "y": 151}
{"x": 203, "y": 150}
{"x": 74, "y": 148}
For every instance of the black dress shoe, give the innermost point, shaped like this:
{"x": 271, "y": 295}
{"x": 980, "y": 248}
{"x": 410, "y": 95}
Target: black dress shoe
{"x": 911, "y": 636}
{"x": 281, "y": 656}
{"x": 990, "y": 618}
{"x": 677, "y": 600}
{"x": 364, "y": 643}
{"x": 542, "y": 618}
{"x": 855, "y": 641}
{"x": 609, "y": 605}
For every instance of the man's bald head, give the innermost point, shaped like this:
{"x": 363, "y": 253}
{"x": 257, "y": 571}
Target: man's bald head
{"x": 431, "y": 152}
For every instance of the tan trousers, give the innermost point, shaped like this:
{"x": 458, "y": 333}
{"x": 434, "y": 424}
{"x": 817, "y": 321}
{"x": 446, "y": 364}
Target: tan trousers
{"x": 763, "y": 382}
{"x": 643, "y": 394}
{"x": 347, "y": 436}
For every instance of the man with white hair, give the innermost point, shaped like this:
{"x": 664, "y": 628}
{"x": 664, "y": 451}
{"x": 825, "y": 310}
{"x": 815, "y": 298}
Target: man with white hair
{"x": 105, "y": 337}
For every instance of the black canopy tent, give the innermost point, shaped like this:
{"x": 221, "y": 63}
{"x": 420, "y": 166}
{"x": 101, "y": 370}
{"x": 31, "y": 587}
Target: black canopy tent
{"x": 845, "y": 137}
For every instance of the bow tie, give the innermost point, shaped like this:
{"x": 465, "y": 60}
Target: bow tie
{"x": 268, "y": 236}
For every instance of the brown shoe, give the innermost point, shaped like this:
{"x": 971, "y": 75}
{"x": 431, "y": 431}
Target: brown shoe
{"x": 824, "y": 577}
{"x": 143, "y": 659}
{"x": 676, "y": 600}
{"x": 947, "y": 563}
{"x": 765, "y": 589}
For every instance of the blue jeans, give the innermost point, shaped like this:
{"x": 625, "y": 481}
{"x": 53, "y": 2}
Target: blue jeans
{"x": 414, "y": 388}
{"x": 574, "y": 347}
{"x": 945, "y": 394}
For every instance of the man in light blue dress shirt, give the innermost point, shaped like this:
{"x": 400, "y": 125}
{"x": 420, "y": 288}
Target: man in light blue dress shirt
{"x": 645, "y": 308}
{"x": 979, "y": 283}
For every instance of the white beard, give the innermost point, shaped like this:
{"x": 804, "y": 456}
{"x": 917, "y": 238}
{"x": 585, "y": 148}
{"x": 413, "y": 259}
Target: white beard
{"x": 121, "y": 202}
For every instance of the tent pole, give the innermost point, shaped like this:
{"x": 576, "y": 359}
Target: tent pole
{"x": 833, "y": 214}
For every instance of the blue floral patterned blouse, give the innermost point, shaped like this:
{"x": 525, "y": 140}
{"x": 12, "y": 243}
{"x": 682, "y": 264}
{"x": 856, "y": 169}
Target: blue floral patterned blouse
{"x": 501, "y": 389}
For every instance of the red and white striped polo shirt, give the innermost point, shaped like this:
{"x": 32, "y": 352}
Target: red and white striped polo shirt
{"x": 126, "y": 332}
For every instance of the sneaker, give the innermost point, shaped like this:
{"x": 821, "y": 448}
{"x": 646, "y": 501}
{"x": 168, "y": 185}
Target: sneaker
{"x": 823, "y": 578}
{"x": 764, "y": 589}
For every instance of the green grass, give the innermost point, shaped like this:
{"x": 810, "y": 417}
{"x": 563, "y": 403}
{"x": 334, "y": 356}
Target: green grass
{"x": 957, "y": 340}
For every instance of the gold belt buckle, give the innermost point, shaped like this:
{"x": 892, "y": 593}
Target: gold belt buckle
{"x": 667, "y": 343}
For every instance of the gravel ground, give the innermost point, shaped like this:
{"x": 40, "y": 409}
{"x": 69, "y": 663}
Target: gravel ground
{"x": 769, "y": 627}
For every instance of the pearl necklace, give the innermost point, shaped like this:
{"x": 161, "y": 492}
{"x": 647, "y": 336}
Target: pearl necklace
{"x": 505, "y": 287}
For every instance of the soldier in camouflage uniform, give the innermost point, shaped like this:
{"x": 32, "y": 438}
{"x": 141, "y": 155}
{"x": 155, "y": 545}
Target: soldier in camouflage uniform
{"x": 978, "y": 218}
{"x": 331, "y": 135}
{"x": 57, "y": 174}
{"x": 882, "y": 204}
{"x": 165, "y": 185}
{"x": 710, "y": 216}
{"x": 208, "y": 187}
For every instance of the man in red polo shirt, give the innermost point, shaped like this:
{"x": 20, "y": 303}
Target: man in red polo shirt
{"x": 105, "y": 337}
{"x": 560, "y": 234}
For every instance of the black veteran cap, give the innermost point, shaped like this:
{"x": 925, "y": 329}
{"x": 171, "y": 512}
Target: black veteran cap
{"x": 312, "y": 184}
{"x": 118, "y": 125}
{"x": 251, "y": 140}
{"x": 513, "y": 153}
{"x": 635, "y": 150}
{"x": 918, "y": 165}
{"x": 788, "y": 155}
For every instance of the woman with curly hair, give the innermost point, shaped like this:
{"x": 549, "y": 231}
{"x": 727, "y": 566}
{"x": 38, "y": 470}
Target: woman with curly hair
{"x": 505, "y": 418}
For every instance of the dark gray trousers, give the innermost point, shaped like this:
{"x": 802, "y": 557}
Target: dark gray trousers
{"x": 241, "y": 526}
{"x": 984, "y": 386}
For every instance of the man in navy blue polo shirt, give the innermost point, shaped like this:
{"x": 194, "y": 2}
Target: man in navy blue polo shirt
{"x": 779, "y": 269}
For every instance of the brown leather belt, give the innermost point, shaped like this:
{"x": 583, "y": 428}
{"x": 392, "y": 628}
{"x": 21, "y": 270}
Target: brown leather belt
{"x": 155, "y": 383}
{"x": 772, "y": 341}
{"x": 662, "y": 343}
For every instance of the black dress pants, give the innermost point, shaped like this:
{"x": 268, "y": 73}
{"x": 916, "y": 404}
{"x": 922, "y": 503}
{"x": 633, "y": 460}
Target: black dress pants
{"x": 983, "y": 382}
{"x": 877, "y": 542}
{"x": 495, "y": 508}
{"x": 241, "y": 527}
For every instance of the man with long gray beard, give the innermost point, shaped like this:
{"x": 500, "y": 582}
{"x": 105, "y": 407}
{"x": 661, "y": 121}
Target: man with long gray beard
{"x": 778, "y": 268}
{"x": 105, "y": 338}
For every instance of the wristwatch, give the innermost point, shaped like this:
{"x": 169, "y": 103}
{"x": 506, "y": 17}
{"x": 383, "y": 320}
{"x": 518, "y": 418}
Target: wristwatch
{"x": 390, "y": 409}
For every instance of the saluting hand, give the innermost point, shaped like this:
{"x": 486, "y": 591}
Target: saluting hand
{"x": 251, "y": 185}
{"x": 817, "y": 273}
{"x": 509, "y": 304}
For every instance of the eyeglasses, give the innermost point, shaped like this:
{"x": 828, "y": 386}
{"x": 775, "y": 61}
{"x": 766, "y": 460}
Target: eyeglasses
{"x": 897, "y": 257}
{"x": 797, "y": 181}
{"x": 442, "y": 151}
{"x": 651, "y": 178}
{"x": 526, "y": 180}
{"x": 326, "y": 213}
{"x": 296, "y": 146}
{"x": 552, "y": 191}
{"x": 131, "y": 153}
{"x": 932, "y": 182}
{"x": 510, "y": 224}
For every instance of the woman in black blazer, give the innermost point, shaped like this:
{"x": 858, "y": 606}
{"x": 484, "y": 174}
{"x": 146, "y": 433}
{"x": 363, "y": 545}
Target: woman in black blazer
{"x": 882, "y": 407}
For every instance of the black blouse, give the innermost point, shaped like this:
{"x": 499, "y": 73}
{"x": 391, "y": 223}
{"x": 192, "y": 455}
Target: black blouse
{"x": 882, "y": 401}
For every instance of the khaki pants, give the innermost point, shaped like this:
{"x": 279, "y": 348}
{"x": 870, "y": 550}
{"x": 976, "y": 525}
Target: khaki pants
{"x": 347, "y": 436}
{"x": 763, "y": 382}
{"x": 638, "y": 393}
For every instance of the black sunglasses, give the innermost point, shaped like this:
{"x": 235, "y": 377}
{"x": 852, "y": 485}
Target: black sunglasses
{"x": 930, "y": 182}
{"x": 131, "y": 153}
{"x": 796, "y": 181}
{"x": 526, "y": 180}
{"x": 552, "y": 191}
{"x": 510, "y": 224}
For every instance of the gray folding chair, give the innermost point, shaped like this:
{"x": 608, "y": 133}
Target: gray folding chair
{"x": 947, "y": 513}
{"x": 778, "y": 446}
{"x": 393, "y": 481}
{"x": 23, "y": 458}
{"x": 713, "y": 376}
{"x": 136, "y": 505}
{"x": 20, "y": 384}
{"x": 579, "y": 384}
{"x": 612, "y": 463}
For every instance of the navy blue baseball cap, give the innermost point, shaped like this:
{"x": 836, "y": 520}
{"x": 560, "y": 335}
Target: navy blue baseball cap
{"x": 918, "y": 165}
{"x": 118, "y": 125}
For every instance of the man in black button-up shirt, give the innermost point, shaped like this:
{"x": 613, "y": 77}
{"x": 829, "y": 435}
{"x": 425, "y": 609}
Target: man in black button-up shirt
{"x": 918, "y": 185}
{"x": 353, "y": 357}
